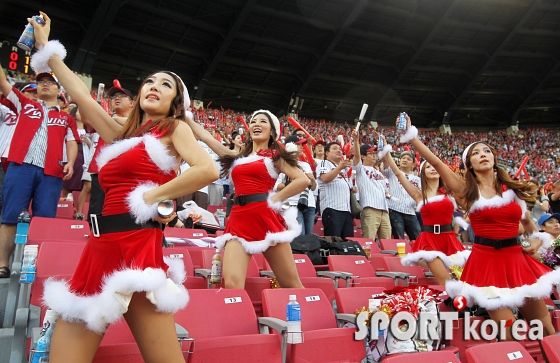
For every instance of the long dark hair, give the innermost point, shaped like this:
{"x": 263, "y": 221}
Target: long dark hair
{"x": 424, "y": 183}
{"x": 176, "y": 113}
{"x": 290, "y": 158}
{"x": 524, "y": 191}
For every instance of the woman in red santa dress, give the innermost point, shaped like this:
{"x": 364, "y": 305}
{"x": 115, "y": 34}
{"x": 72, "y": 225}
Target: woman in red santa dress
{"x": 122, "y": 271}
{"x": 436, "y": 244}
{"x": 256, "y": 224}
{"x": 500, "y": 273}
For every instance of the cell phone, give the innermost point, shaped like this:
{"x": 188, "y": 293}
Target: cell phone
{"x": 100, "y": 90}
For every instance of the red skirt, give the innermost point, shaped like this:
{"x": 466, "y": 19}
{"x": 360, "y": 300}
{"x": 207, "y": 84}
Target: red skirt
{"x": 429, "y": 246}
{"x": 497, "y": 278}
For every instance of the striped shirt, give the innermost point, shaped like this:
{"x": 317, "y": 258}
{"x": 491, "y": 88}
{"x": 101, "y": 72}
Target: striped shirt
{"x": 406, "y": 204}
{"x": 372, "y": 186}
{"x": 335, "y": 194}
{"x": 9, "y": 120}
{"x": 293, "y": 200}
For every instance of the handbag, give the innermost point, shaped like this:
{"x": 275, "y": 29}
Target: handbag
{"x": 336, "y": 246}
{"x": 355, "y": 207}
{"x": 309, "y": 245}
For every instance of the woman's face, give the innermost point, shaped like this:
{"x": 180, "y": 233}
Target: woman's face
{"x": 238, "y": 141}
{"x": 482, "y": 158}
{"x": 157, "y": 94}
{"x": 430, "y": 172}
{"x": 260, "y": 128}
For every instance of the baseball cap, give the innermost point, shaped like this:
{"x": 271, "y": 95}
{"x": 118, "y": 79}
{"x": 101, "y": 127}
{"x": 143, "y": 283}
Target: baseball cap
{"x": 29, "y": 87}
{"x": 545, "y": 217}
{"x": 295, "y": 139}
{"x": 407, "y": 153}
{"x": 111, "y": 92}
{"x": 209, "y": 126}
{"x": 365, "y": 148}
{"x": 47, "y": 74}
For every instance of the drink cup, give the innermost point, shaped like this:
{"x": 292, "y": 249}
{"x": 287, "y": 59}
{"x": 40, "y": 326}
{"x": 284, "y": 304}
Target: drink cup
{"x": 401, "y": 248}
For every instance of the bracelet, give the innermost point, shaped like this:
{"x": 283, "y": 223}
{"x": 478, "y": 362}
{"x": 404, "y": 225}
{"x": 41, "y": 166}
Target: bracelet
{"x": 39, "y": 60}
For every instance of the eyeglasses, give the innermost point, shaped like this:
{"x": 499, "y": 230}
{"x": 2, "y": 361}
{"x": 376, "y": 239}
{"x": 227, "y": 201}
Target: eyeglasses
{"x": 48, "y": 82}
{"x": 119, "y": 96}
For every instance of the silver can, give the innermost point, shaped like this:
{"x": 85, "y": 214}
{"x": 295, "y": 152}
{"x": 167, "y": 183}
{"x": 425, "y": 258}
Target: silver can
{"x": 403, "y": 123}
{"x": 27, "y": 39}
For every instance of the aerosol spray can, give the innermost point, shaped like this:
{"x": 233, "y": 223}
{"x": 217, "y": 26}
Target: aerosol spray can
{"x": 403, "y": 123}
{"x": 380, "y": 144}
{"x": 27, "y": 39}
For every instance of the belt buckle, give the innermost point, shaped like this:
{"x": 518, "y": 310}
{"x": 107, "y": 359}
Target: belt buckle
{"x": 94, "y": 225}
{"x": 437, "y": 228}
{"x": 241, "y": 200}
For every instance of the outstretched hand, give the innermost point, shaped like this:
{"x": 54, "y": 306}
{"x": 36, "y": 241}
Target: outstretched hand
{"x": 41, "y": 31}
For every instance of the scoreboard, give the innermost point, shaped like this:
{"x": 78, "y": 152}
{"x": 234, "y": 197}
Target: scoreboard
{"x": 14, "y": 59}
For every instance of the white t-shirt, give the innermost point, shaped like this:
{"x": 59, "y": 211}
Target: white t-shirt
{"x": 293, "y": 200}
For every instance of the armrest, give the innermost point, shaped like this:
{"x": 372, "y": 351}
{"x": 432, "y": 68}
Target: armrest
{"x": 267, "y": 322}
{"x": 390, "y": 252}
{"x": 204, "y": 272}
{"x": 428, "y": 274}
{"x": 347, "y": 318}
{"x": 329, "y": 274}
{"x": 182, "y": 333}
{"x": 267, "y": 273}
{"x": 393, "y": 275}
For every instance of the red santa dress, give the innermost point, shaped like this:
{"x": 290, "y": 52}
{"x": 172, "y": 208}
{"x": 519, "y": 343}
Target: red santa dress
{"x": 115, "y": 265}
{"x": 429, "y": 246}
{"x": 496, "y": 278}
{"x": 258, "y": 225}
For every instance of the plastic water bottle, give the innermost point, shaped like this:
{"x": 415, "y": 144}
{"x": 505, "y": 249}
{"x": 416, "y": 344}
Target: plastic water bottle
{"x": 29, "y": 267}
{"x": 43, "y": 346}
{"x": 221, "y": 217}
{"x": 216, "y": 273}
{"x": 293, "y": 318}
{"x": 24, "y": 216}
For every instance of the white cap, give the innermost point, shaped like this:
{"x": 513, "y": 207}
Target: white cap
{"x": 292, "y": 297}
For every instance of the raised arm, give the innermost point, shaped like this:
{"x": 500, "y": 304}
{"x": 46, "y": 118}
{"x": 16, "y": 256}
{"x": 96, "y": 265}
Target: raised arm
{"x": 206, "y": 138}
{"x": 414, "y": 192}
{"x": 452, "y": 180}
{"x": 356, "y": 140}
{"x": 5, "y": 86}
{"x": 50, "y": 55}
{"x": 331, "y": 175}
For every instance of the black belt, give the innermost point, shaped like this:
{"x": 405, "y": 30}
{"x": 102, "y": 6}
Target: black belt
{"x": 496, "y": 243}
{"x": 437, "y": 228}
{"x": 251, "y": 198}
{"x": 118, "y": 223}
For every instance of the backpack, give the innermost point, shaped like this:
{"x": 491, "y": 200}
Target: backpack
{"x": 309, "y": 245}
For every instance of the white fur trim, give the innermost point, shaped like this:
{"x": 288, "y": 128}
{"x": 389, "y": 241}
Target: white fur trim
{"x": 277, "y": 206}
{"x": 99, "y": 310}
{"x": 159, "y": 154}
{"x": 545, "y": 238}
{"x": 434, "y": 199}
{"x": 109, "y": 152}
{"x": 461, "y": 222}
{"x": 275, "y": 122}
{"x": 244, "y": 160}
{"x": 189, "y": 114}
{"x": 386, "y": 149}
{"x": 496, "y": 202}
{"x": 291, "y": 147}
{"x": 39, "y": 60}
{"x": 410, "y": 134}
{"x": 271, "y": 168}
{"x": 492, "y": 298}
{"x": 141, "y": 211}
{"x": 457, "y": 259}
{"x": 271, "y": 238}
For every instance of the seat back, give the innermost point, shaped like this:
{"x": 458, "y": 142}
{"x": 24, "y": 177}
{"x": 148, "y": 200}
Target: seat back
{"x": 348, "y": 300}
{"x": 57, "y": 229}
{"x": 304, "y": 266}
{"x": 551, "y": 348}
{"x": 357, "y": 265}
{"x": 377, "y": 261}
{"x": 374, "y": 248}
{"x": 316, "y": 309}
{"x": 184, "y": 232}
{"x": 184, "y": 255}
{"x": 218, "y": 313}
{"x": 391, "y": 244}
{"x": 502, "y": 352}
{"x": 442, "y": 356}
{"x": 252, "y": 268}
{"x": 394, "y": 264}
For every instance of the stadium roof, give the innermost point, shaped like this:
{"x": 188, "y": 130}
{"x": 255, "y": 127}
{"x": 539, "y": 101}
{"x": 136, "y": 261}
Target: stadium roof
{"x": 459, "y": 62}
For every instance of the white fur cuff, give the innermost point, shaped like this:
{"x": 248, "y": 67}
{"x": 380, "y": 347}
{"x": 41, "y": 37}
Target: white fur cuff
{"x": 39, "y": 60}
{"x": 545, "y": 238}
{"x": 410, "y": 134}
{"x": 461, "y": 222}
{"x": 277, "y": 206}
{"x": 386, "y": 149}
{"x": 141, "y": 211}
{"x": 189, "y": 114}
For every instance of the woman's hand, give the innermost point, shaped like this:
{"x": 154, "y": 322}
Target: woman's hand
{"x": 535, "y": 245}
{"x": 41, "y": 31}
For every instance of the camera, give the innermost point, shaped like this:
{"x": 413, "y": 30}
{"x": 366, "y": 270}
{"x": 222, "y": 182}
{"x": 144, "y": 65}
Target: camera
{"x": 303, "y": 199}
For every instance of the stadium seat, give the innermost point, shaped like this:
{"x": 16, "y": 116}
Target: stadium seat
{"x": 357, "y": 271}
{"x": 323, "y": 341}
{"x": 551, "y": 348}
{"x": 502, "y": 352}
{"x": 348, "y": 300}
{"x": 390, "y": 245}
{"x": 224, "y": 327}
{"x": 417, "y": 275}
{"x": 442, "y": 356}
{"x": 192, "y": 281}
{"x": 185, "y": 232}
{"x": 65, "y": 209}
{"x": 57, "y": 229}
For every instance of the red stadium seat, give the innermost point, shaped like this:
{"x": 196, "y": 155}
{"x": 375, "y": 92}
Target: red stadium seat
{"x": 348, "y": 300}
{"x": 551, "y": 348}
{"x": 502, "y": 352}
{"x": 184, "y": 232}
{"x": 442, "y": 356}
{"x": 57, "y": 229}
{"x": 65, "y": 209}
{"x": 323, "y": 341}
{"x": 357, "y": 271}
{"x": 224, "y": 327}
{"x": 192, "y": 281}
{"x": 416, "y": 273}
{"x": 391, "y": 245}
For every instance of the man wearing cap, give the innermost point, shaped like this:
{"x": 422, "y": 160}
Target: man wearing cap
{"x": 318, "y": 155}
{"x": 402, "y": 212}
{"x": 373, "y": 188}
{"x": 30, "y": 91}
{"x": 550, "y": 223}
{"x": 121, "y": 105}
{"x": 554, "y": 197}
{"x": 44, "y": 138}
